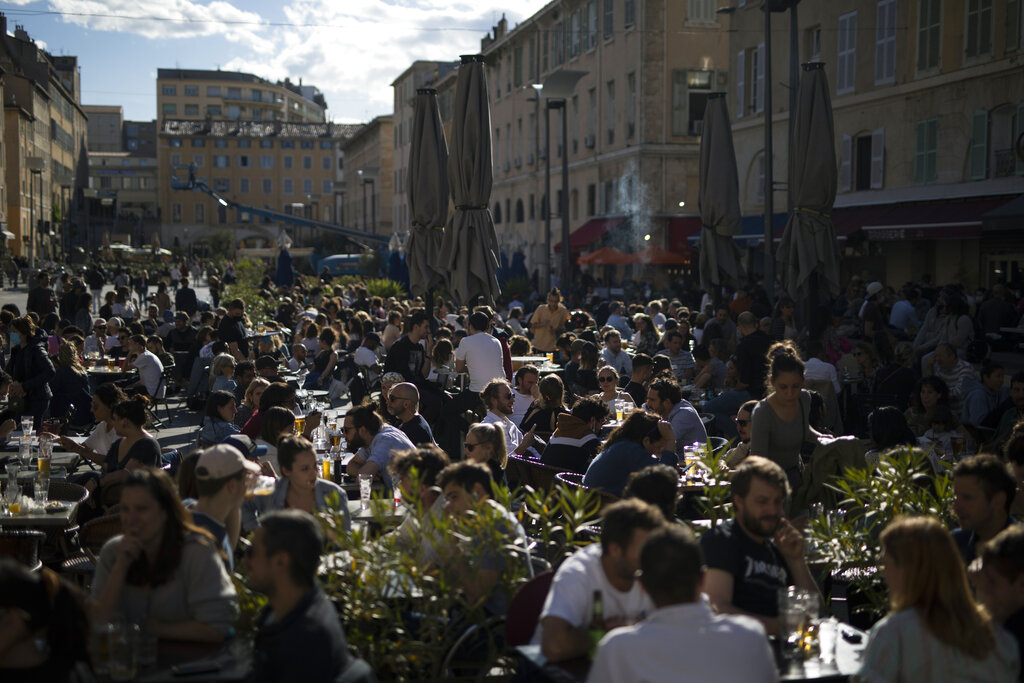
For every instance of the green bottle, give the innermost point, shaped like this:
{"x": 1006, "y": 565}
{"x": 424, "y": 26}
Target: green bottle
{"x": 596, "y": 630}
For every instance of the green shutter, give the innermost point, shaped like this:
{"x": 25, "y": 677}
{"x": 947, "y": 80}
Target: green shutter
{"x": 679, "y": 97}
{"x": 1016, "y": 137}
{"x": 919, "y": 152}
{"x": 1012, "y": 24}
{"x": 932, "y": 151}
{"x": 979, "y": 145}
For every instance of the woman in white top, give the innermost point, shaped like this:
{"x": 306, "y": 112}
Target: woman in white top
{"x": 608, "y": 381}
{"x": 934, "y": 631}
{"x": 103, "y": 436}
{"x": 277, "y": 422}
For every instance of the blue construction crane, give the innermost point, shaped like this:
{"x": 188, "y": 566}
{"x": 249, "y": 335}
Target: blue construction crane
{"x": 362, "y": 238}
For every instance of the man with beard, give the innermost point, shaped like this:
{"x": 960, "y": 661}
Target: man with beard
{"x": 373, "y": 442}
{"x": 757, "y": 552}
{"x": 404, "y": 404}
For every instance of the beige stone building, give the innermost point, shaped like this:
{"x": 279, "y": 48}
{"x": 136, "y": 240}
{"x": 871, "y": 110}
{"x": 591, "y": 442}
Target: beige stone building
{"x": 368, "y": 177}
{"x": 197, "y": 94}
{"x": 44, "y": 132}
{"x": 283, "y": 167}
{"x": 633, "y": 122}
{"x": 928, "y": 99}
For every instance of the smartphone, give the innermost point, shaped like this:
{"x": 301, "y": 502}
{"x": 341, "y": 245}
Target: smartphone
{"x": 195, "y": 668}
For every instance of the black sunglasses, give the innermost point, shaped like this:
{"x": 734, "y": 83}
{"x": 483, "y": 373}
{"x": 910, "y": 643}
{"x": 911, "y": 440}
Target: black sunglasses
{"x": 605, "y": 379}
{"x": 741, "y": 423}
{"x": 470, "y": 446}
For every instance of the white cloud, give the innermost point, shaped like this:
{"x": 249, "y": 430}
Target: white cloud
{"x": 167, "y": 19}
{"x": 370, "y": 43}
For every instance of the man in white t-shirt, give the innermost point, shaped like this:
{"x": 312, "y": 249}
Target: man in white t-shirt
{"x": 526, "y": 380}
{"x": 499, "y": 398}
{"x": 608, "y": 567}
{"x": 683, "y": 634}
{"x": 149, "y": 366}
{"x": 479, "y": 354}
{"x": 818, "y": 369}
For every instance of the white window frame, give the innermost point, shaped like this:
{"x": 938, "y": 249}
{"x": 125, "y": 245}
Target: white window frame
{"x": 757, "y": 69}
{"x": 934, "y": 26}
{"x": 741, "y": 83}
{"x": 846, "y": 53}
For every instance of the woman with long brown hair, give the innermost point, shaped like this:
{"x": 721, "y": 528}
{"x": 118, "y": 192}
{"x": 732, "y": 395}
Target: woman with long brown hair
{"x": 642, "y": 440}
{"x": 934, "y": 631}
{"x": 163, "y": 571}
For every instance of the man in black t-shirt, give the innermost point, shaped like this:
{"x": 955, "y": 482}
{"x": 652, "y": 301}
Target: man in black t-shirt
{"x": 751, "y": 363}
{"x": 232, "y": 331}
{"x": 403, "y": 403}
{"x": 757, "y": 552}
{"x": 643, "y": 365}
{"x": 407, "y": 356}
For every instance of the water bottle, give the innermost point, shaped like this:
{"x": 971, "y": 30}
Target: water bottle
{"x": 25, "y": 450}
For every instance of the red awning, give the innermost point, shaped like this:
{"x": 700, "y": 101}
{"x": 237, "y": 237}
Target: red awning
{"x": 680, "y": 229}
{"x": 923, "y": 220}
{"x": 659, "y": 257}
{"x": 585, "y": 235}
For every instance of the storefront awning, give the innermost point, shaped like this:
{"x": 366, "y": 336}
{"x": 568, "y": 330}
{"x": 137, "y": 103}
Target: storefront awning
{"x": 593, "y": 229}
{"x": 931, "y": 221}
{"x": 7, "y": 235}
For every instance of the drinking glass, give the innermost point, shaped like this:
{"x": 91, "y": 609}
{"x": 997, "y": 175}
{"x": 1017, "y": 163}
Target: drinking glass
{"x": 259, "y": 486}
{"x": 958, "y": 443}
{"x": 797, "y": 608}
{"x": 124, "y": 661}
{"x": 365, "y": 484}
{"x": 26, "y": 425}
{"x": 41, "y": 489}
{"x": 620, "y": 406}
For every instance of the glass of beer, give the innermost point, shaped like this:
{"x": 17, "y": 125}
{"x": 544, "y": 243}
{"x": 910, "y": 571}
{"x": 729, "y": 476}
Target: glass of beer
{"x": 300, "y": 425}
{"x": 620, "y": 406}
{"x": 958, "y": 443}
{"x": 259, "y": 486}
{"x": 112, "y": 364}
{"x": 335, "y": 435}
{"x": 325, "y": 466}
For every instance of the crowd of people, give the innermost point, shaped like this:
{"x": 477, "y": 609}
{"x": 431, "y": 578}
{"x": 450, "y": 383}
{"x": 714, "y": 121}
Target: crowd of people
{"x": 439, "y": 411}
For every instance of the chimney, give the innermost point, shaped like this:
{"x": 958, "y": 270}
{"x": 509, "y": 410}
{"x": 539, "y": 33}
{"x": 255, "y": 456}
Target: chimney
{"x": 20, "y": 33}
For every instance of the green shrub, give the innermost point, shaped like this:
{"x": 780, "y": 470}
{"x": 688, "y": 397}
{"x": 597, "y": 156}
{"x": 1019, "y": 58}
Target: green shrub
{"x": 384, "y": 288}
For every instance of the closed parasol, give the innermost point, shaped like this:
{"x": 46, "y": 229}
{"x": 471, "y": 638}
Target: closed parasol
{"x": 428, "y": 194}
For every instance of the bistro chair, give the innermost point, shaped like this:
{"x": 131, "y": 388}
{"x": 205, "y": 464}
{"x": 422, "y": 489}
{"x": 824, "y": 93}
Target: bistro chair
{"x": 92, "y": 536}
{"x": 541, "y": 476}
{"x": 575, "y": 480}
{"x": 22, "y": 545}
{"x": 525, "y": 607}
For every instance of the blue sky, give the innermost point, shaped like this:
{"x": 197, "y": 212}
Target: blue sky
{"x": 350, "y": 49}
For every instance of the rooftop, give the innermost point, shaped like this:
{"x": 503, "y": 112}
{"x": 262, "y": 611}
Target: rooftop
{"x": 257, "y": 129}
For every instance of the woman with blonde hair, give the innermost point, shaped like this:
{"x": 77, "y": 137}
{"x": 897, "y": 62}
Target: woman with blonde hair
{"x": 251, "y": 401}
{"x": 72, "y": 395}
{"x": 934, "y": 631}
{"x": 222, "y": 370}
{"x": 485, "y": 443}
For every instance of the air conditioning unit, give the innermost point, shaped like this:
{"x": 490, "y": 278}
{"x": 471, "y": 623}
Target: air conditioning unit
{"x": 529, "y": 159}
{"x": 519, "y": 162}
{"x": 507, "y": 166}
{"x": 589, "y": 141}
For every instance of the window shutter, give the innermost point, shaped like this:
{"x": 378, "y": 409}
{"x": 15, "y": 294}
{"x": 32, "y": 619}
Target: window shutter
{"x": 1016, "y": 136}
{"x": 741, "y": 68}
{"x": 979, "y": 144}
{"x": 1013, "y": 24}
{"x": 759, "y": 104}
{"x": 878, "y": 159}
{"x": 845, "y": 163}
{"x": 920, "y": 145}
{"x": 679, "y": 102}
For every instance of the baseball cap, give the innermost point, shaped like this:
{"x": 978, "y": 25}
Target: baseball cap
{"x": 99, "y": 321}
{"x": 874, "y": 288}
{"x": 221, "y": 461}
{"x": 245, "y": 445}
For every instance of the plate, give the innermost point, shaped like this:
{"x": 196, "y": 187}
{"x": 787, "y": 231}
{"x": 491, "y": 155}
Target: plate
{"x": 56, "y": 506}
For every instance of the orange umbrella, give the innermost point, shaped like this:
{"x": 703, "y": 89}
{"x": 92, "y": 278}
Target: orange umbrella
{"x": 659, "y": 257}
{"x": 605, "y": 256}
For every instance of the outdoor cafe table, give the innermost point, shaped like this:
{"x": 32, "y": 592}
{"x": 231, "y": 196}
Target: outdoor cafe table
{"x": 209, "y": 662}
{"x": 847, "y": 662}
{"x": 102, "y": 375}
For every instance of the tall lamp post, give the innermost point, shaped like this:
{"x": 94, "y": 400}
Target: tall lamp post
{"x": 367, "y": 177}
{"x": 556, "y": 89}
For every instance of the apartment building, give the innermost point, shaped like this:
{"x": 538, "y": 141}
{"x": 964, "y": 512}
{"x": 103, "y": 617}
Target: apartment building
{"x": 198, "y": 94}
{"x": 44, "y": 136}
{"x": 632, "y": 129}
{"x": 928, "y": 105}
{"x": 285, "y": 167}
{"x": 369, "y": 192}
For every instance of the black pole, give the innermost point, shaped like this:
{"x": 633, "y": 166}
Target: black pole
{"x": 564, "y": 204}
{"x": 546, "y": 204}
{"x": 794, "y": 84}
{"x": 769, "y": 231}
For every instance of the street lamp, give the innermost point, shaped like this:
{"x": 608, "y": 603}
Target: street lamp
{"x": 556, "y": 89}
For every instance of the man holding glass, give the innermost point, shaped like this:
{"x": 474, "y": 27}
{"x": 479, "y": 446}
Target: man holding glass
{"x": 373, "y": 443}
{"x": 753, "y": 555}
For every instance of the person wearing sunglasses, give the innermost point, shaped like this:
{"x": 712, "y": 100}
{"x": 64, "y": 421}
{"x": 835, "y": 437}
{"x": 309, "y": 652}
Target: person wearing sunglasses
{"x": 608, "y": 381}
{"x": 741, "y": 447}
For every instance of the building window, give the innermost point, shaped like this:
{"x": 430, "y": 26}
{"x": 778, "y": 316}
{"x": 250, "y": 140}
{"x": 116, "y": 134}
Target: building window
{"x": 243, "y": 185}
{"x": 813, "y": 42}
{"x": 288, "y": 161}
{"x": 630, "y": 105}
{"x": 325, "y": 163}
{"x": 288, "y": 186}
{"x": 221, "y": 161}
{"x": 175, "y": 160}
{"x": 610, "y": 111}
{"x": 175, "y": 142}
{"x": 307, "y": 162}
{"x": 591, "y": 116}
{"x": 497, "y": 213}
{"x": 191, "y": 110}
{"x": 326, "y": 186}
{"x": 266, "y": 144}
{"x": 741, "y": 84}
{"x": 235, "y": 93}
{"x": 199, "y": 160}
{"x": 1014, "y": 23}
{"x": 213, "y": 91}
{"x": 169, "y": 90}
{"x": 268, "y": 186}
{"x": 307, "y": 186}
{"x": 307, "y": 144}
{"x": 574, "y": 35}
{"x": 234, "y": 112}
{"x": 326, "y": 144}
{"x": 520, "y": 212}
{"x": 244, "y": 144}
{"x": 105, "y": 182}
{"x": 557, "y": 44}
{"x": 266, "y": 161}
{"x": 168, "y": 108}
{"x": 199, "y": 212}
{"x": 213, "y": 109}
{"x": 679, "y": 102}
{"x": 287, "y": 144}
{"x": 221, "y": 185}
{"x": 243, "y": 161}
{"x": 979, "y": 27}
{"x": 609, "y": 19}
{"x": 590, "y": 19}
{"x": 176, "y": 212}
{"x": 629, "y": 13}
{"x": 220, "y": 144}
{"x": 846, "y": 61}
{"x": 885, "y": 41}
{"x": 929, "y": 34}
{"x": 192, "y": 91}
{"x": 701, "y": 10}
{"x": 979, "y": 145}
{"x": 926, "y": 148}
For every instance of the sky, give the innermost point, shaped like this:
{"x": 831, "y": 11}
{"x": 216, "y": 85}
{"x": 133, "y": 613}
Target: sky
{"x": 351, "y": 49}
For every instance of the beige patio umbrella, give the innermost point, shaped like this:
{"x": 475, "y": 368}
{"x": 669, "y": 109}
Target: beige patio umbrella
{"x": 469, "y": 252}
{"x": 428, "y": 194}
{"x": 809, "y": 251}
{"x": 719, "y": 201}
